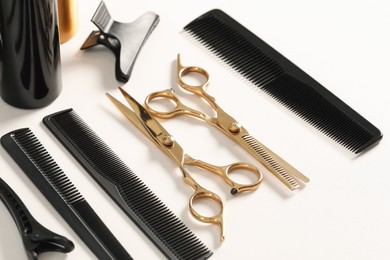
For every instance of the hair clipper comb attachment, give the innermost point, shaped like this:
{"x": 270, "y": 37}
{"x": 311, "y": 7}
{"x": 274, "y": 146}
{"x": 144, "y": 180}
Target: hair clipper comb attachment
{"x": 125, "y": 40}
{"x": 163, "y": 228}
{"x": 43, "y": 171}
{"x": 271, "y": 72}
{"x": 36, "y": 238}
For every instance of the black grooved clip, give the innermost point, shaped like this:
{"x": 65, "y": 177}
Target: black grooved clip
{"x": 36, "y": 238}
{"x": 125, "y": 40}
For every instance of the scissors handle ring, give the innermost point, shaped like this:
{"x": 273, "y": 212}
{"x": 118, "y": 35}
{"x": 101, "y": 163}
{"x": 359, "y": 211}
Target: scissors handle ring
{"x": 237, "y": 187}
{"x": 199, "y": 90}
{"x": 178, "y": 109}
{"x": 202, "y": 194}
{"x": 225, "y": 171}
{"x": 164, "y": 94}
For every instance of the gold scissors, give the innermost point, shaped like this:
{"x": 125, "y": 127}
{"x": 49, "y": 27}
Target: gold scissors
{"x": 152, "y": 129}
{"x": 286, "y": 173}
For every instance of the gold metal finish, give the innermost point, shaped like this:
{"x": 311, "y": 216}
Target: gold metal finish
{"x": 68, "y": 19}
{"x": 235, "y": 127}
{"x": 152, "y": 129}
{"x": 168, "y": 140}
{"x": 286, "y": 173}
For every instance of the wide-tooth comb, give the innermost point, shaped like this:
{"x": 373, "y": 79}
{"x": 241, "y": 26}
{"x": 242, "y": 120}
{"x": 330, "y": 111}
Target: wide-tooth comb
{"x": 163, "y": 228}
{"x": 271, "y": 72}
{"x": 43, "y": 171}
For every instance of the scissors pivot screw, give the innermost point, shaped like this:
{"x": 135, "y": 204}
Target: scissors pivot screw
{"x": 235, "y": 127}
{"x": 168, "y": 140}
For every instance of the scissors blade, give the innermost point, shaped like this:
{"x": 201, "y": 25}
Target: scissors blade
{"x": 149, "y": 126}
{"x": 285, "y": 172}
{"x": 130, "y": 115}
{"x": 152, "y": 125}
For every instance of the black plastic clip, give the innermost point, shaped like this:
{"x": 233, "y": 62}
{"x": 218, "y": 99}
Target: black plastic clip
{"x": 36, "y": 238}
{"x": 125, "y": 40}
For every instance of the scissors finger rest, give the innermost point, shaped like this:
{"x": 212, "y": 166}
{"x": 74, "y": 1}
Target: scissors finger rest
{"x": 225, "y": 172}
{"x": 202, "y": 194}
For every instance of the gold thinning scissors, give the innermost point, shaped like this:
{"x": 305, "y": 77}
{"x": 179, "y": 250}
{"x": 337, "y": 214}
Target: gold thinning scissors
{"x": 152, "y": 129}
{"x": 286, "y": 173}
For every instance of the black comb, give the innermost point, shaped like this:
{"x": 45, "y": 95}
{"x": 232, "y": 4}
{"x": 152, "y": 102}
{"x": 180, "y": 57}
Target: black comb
{"x": 143, "y": 207}
{"x": 43, "y": 171}
{"x": 271, "y": 72}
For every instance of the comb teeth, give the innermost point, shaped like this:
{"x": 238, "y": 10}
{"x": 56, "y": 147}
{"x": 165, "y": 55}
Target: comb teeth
{"x": 267, "y": 69}
{"x": 168, "y": 233}
{"x": 318, "y": 112}
{"x": 44, "y": 172}
{"x": 36, "y": 153}
{"x": 242, "y": 56}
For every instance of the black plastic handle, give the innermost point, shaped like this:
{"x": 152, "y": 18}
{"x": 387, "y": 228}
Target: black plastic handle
{"x": 1, "y": 44}
{"x": 36, "y": 238}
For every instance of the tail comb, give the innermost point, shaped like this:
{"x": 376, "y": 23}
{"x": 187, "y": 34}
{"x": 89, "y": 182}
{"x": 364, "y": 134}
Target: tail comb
{"x": 43, "y": 171}
{"x": 163, "y": 228}
{"x": 271, "y": 72}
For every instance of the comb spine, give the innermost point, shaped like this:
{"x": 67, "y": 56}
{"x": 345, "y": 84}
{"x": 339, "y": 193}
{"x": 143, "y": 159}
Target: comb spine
{"x": 75, "y": 210}
{"x": 110, "y": 188}
{"x": 225, "y": 37}
{"x": 162, "y": 225}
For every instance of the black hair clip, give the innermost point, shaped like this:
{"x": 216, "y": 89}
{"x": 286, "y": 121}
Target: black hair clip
{"x": 36, "y": 238}
{"x": 125, "y": 40}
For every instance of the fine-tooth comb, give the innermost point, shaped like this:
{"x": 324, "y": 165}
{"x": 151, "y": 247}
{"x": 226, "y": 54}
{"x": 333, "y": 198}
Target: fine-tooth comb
{"x": 271, "y": 72}
{"x": 143, "y": 207}
{"x": 36, "y": 238}
{"x": 43, "y": 171}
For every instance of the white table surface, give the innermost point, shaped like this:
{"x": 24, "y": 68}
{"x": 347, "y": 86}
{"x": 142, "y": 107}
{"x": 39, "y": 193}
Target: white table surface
{"x": 343, "y": 213}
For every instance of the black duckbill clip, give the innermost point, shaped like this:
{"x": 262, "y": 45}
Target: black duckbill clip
{"x": 125, "y": 40}
{"x": 36, "y": 238}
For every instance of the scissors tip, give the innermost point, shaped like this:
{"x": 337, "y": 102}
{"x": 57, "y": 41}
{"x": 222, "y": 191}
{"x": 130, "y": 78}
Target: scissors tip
{"x": 113, "y": 100}
{"x": 122, "y": 90}
{"x": 116, "y": 102}
{"x": 110, "y": 97}
{"x": 129, "y": 98}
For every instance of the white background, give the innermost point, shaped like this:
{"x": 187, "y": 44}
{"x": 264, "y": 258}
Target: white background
{"x": 343, "y": 213}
